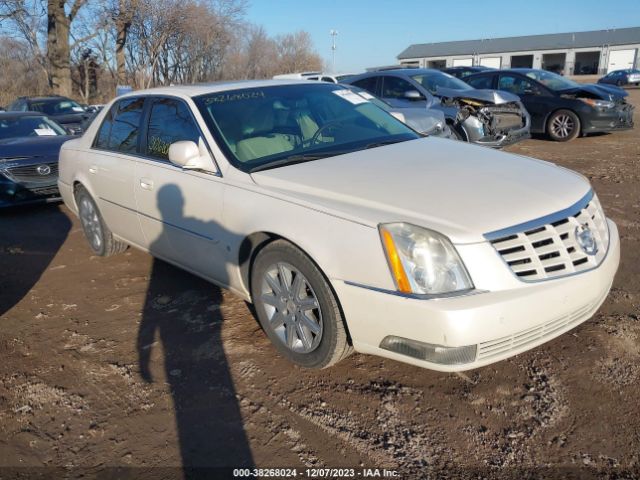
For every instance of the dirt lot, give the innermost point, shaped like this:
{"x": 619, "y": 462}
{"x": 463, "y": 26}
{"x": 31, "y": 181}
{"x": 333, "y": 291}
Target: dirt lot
{"x": 127, "y": 362}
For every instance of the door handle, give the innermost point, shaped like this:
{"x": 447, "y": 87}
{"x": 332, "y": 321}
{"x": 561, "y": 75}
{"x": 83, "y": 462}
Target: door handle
{"x": 146, "y": 183}
{"x": 93, "y": 169}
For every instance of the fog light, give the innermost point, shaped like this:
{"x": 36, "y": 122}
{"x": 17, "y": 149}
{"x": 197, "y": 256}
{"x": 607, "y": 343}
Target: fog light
{"x": 429, "y": 352}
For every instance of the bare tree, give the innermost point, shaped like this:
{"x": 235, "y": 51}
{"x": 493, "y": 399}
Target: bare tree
{"x": 296, "y": 53}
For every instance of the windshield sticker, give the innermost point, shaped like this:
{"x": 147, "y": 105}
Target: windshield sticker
{"x": 45, "y": 132}
{"x": 366, "y": 95}
{"x": 234, "y": 97}
{"x": 350, "y": 96}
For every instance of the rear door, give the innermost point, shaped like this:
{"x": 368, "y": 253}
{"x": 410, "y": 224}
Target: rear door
{"x": 111, "y": 167}
{"x": 180, "y": 210}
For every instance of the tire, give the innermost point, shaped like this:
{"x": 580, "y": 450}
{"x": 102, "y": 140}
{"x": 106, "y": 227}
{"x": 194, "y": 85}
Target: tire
{"x": 306, "y": 326}
{"x": 563, "y": 126}
{"x": 96, "y": 232}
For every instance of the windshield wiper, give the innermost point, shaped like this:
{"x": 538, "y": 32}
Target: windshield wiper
{"x": 382, "y": 144}
{"x": 293, "y": 159}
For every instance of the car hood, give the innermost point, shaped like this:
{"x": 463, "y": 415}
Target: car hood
{"x": 603, "y": 92}
{"x": 491, "y": 96}
{"x": 32, "y": 146}
{"x": 458, "y": 189}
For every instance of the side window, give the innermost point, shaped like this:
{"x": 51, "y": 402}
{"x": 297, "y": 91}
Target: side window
{"x": 368, "y": 84}
{"x": 517, "y": 85}
{"x": 394, "y": 87}
{"x": 480, "y": 82}
{"x": 328, "y": 79}
{"x": 120, "y": 128}
{"x": 170, "y": 121}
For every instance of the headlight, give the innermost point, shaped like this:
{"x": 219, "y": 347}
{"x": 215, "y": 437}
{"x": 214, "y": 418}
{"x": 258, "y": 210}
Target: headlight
{"x": 598, "y": 103}
{"x": 423, "y": 261}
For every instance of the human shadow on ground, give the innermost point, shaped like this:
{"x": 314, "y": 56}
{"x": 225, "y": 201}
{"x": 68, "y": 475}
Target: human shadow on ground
{"x": 184, "y": 312}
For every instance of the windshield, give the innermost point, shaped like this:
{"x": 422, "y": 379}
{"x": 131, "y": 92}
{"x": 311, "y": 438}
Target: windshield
{"x": 552, "y": 80}
{"x": 434, "y": 81}
{"x": 279, "y": 125}
{"x": 31, "y": 126}
{"x": 56, "y": 107}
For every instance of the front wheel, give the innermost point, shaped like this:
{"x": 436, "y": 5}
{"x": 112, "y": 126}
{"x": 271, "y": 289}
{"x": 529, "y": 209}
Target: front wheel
{"x": 563, "y": 125}
{"x": 297, "y": 308}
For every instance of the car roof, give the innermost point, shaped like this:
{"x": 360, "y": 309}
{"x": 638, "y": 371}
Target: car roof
{"x": 45, "y": 99}
{"x": 217, "y": 87}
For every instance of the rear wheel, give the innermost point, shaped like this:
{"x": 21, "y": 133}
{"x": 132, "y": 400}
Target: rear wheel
{"x": 563, "y": 125}
{"x": 97, "y": 233}
{"x": 297, "y": 308}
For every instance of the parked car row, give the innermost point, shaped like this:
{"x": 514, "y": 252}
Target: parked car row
{"x": 497, "y": 108}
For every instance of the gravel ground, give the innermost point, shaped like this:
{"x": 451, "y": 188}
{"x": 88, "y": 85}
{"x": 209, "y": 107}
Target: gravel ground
{"x": 129, "y": 362}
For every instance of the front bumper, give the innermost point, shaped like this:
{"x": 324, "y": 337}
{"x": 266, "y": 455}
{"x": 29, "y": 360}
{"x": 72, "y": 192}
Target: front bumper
{"x": 500, "y": 324}
{"x": 14, "y": 193}
{"x": 475, "y": 131}
{"x": 510, "y": 138}
{"x": 619, "y": 118}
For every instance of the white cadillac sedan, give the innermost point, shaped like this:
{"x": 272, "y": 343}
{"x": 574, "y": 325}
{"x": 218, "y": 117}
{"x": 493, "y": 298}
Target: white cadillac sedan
{"x": 345, "y": 228}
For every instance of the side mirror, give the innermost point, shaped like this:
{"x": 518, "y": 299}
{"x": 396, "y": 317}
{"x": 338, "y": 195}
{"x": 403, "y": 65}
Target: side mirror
{"x": 191, "y": 156}
{"x": 413, "y": 95}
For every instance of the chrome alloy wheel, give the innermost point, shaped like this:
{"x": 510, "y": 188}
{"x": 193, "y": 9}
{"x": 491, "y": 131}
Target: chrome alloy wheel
{"x": 562, "y": 126}
{"x": 91, "y": 223}
{"x": 292, "y": 308}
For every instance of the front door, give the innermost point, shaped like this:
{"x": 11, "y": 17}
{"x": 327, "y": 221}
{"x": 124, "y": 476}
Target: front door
{"x": 536, "y": 100}
{"x": 180, "y": 210}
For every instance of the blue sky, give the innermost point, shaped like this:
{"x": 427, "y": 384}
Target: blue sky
{"x": 373, "y": 32}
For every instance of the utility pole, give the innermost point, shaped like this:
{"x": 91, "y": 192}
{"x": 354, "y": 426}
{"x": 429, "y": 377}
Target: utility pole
{"x": 334, "y": 34}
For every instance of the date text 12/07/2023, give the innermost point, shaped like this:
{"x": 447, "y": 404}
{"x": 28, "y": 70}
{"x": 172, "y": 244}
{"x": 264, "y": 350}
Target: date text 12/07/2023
{"x": 315, "y": 473}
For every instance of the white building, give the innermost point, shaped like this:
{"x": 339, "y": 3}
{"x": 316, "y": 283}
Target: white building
{"x": 577, "y": 53}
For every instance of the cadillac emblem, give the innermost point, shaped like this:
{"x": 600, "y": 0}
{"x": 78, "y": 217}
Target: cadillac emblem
{"x": 586, "y": 240}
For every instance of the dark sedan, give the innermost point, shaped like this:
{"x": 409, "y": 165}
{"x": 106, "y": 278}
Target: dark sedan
{"x": 29, "y": 148}
{"x": 559, "y": 107}
{"x": 68, "y": 113}
{"x": 622, "y": 78}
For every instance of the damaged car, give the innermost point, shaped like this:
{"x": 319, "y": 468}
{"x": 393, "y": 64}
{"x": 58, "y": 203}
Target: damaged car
{"x": 485, "y": 117}
{"x": 559, "y": 107}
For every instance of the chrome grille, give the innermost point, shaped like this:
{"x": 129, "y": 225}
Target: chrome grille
{"x": 29, "y": 174}
{"x": 551, "y": 250}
